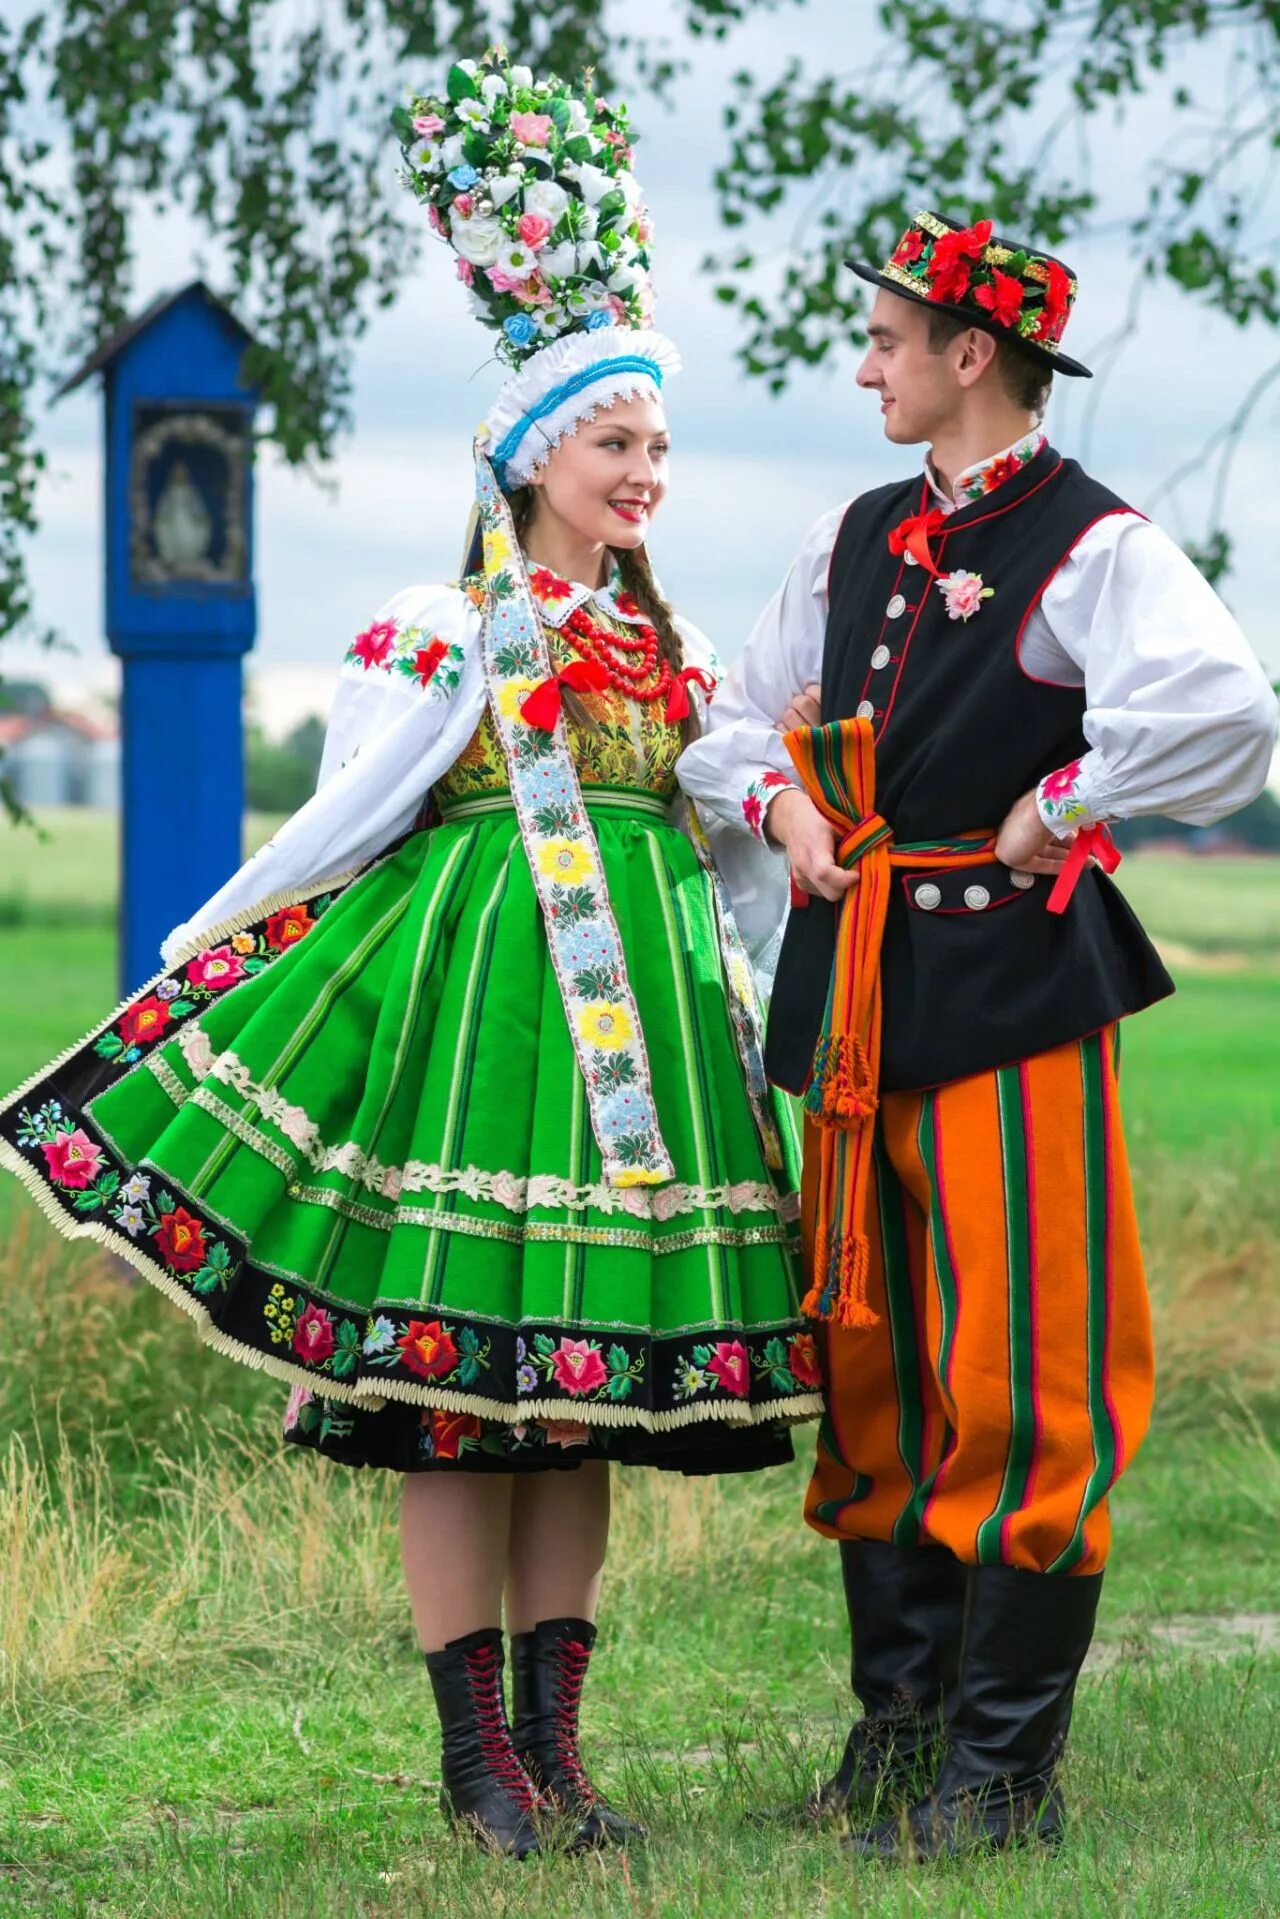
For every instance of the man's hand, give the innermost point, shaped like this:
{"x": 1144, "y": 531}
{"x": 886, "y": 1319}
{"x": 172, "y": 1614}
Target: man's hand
{"x": 794, "y": 823}
{"x": 805, "y": 709}
{"x": 1025, "y": 844}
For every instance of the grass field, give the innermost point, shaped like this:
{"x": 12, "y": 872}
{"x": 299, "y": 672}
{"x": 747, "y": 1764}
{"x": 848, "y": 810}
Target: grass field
{"x": 210, "y": 1705}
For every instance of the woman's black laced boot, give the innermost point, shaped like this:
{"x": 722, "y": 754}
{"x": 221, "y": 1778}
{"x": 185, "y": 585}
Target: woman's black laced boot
{"x": 483, "y": 1784}
{"x": 548, "y": 1669}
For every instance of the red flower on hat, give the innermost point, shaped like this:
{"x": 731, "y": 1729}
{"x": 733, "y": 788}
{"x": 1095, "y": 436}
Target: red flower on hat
{"x": 949, "y": 267}
{"x": 909, "y": 248}
{"x": 1002, "y": 299}
{"x": 1057, "y": 304}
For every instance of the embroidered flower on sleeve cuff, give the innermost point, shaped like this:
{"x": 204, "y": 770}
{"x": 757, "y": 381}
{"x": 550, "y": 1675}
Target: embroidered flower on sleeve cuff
{"x": 758, "y": 796}
{"x": 1062, "y": 800}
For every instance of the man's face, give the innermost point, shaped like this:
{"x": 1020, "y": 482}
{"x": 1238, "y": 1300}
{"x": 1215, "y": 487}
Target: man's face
{"x": 918, "y": 389}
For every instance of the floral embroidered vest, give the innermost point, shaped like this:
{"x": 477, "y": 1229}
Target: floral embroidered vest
{"x": 628, "y": 744}
{"x": 975, "y": 972}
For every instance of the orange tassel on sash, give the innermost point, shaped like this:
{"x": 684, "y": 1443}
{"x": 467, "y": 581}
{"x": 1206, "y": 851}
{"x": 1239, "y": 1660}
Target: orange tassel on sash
{"x": 836, "y": 764}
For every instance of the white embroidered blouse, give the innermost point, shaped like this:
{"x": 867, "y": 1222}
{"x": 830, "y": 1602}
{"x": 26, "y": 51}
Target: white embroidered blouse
{"x": 1179, "y": 717}
{"x": 409, "y": 697}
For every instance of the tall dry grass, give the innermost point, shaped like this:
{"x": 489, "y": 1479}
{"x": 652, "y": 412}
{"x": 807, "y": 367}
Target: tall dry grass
{"x": 148, "y": 1511}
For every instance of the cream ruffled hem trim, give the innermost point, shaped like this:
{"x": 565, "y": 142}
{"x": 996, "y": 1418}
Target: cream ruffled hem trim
{"x": 365, "y": 1395}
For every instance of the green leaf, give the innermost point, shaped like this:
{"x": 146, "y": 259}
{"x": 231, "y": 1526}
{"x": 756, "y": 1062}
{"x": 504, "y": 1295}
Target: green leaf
{"x": 612, "y": 205}
{"x": 776, "y": 1353}
{"x": 460, "y": 85}
{"x": 620, "y": 1386}
{"x": 343, "y": 1362}
{"x": 219, "y": 1256}
{"x": 180, "y": 1008}
{"x": 544, "y": 1344}
{"x": 110, "y": 1046}
{"x": 468, "y": 1371}
{"x": 579, "y": 148}
{"x": 619, "y": 1359}
{"x": 87, "y": 1202}
{"x": 106, "y": 1184}
{"x": 206, "y": 1280}
{"x": 701, "y": 1355}
{"x": 402, "y": 126}
{"x": 560, "y": 115}
{"x": 469, "y": 1340}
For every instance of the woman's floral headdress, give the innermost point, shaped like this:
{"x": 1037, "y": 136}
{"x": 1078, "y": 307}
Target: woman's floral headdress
{"x": 530, "y": 182}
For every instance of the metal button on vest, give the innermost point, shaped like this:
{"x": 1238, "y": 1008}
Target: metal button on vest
{"x": 911, "y": 559}
{"x": 976, "y": 897}
{"x": 1022, "y": 880}
{"x": 880, "y": 657}
{"x": 928, "y": 896}
{"x": 896, "y": 606}
{"x": 866, "y": 711}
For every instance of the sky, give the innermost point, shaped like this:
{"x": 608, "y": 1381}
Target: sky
{"x": 749, "y": 473}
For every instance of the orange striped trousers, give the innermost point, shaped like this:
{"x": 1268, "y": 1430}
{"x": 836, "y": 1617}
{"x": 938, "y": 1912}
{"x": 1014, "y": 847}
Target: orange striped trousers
{"x": 1009, "y": 1380}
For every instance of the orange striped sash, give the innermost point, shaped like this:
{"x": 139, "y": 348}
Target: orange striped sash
{"x": 836, "y": 764}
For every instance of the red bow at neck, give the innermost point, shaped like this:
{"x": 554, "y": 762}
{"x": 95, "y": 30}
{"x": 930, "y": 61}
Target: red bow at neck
{"x": 542, "y": 707}
{"x": 678, "y": 697}
{"x": 912, "y": 536}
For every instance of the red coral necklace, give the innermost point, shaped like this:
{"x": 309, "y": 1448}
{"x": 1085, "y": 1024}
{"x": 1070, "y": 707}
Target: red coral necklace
{"x": 632, "y": 661}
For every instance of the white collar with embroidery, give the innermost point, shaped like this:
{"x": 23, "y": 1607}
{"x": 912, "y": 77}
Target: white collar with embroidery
{"x": 557, "y": 598}
{"x": 985, "y": 475}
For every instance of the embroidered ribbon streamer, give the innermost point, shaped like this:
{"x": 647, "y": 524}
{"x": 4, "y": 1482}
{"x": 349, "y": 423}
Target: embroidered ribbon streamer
{"x": 912, "y": 536}
{"x": 543, "y": 707}
{"x": 578, "y": 918}
{"x": 1090, "y": 843}
{"x": 678, "y": 697}
{"x": 836, "y": 764}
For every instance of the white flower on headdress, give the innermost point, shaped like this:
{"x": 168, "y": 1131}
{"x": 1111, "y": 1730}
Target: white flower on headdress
{"x": 569, "y": 258}
{"x": 579, "y": 118}
{"x": 479, "y": 239}
{"x": 550, "y": 320}
{"x": 545, "y": 197}
{"x": 466, "y": 66}
{"x": 503, "y": 187}
{"x": 493, "y": 86}
{"x": 522, "y": 76}
{"x": 626, "y": 276}
{"x": 452, "y": 150}
{"x": 595, "y": 183}
{"x": 428, "y": 155}
{"x": 474, "y": 112}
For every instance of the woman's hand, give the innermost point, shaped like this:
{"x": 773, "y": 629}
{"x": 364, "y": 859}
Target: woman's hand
{"x": 794, "y": 823}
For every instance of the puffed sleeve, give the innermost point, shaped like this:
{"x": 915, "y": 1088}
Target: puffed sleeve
{"x": 418, "y": 643}
{"x": 740, "y": 761}
{"x": 1179, "y": 715}
{"x": 409, "y": 698}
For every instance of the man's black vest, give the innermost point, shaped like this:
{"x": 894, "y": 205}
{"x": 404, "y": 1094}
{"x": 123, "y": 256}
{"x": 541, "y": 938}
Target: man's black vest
{"x": 975, "y": 972}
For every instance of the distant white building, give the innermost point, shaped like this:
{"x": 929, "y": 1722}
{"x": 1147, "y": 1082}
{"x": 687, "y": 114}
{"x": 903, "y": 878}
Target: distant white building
{"x": 60, "y": 759}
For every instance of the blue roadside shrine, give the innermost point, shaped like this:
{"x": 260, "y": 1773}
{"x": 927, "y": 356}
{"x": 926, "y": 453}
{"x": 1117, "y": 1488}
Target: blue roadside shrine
{"x": 180, "y": 605}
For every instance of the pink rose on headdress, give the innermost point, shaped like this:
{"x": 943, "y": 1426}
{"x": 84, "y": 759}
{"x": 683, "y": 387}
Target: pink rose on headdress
{"x": 617, "y": 309}
{"x": 531, "y": 129}
{"x": 428, "y": 124}
{"x": 963, "y": 593}
{"x": 464, "y": 206}
{"x": 534, "y": 229}
{"x": 504, "y": 282}
{"x": 433, "y": 218}
{"x": 466, "y": 272}
{"x": 536, "y": 292}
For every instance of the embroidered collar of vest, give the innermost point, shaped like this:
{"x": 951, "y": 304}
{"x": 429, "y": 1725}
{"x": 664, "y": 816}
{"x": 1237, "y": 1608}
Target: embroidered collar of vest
{"x": 557, "y": 599}
{"x": 977, "y": 481}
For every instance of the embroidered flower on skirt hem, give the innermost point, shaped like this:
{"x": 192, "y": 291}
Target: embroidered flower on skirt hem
{"x": 351, "y": 1139}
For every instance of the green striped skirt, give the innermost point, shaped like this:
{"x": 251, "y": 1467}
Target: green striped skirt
{"x": 352, "y": 1139}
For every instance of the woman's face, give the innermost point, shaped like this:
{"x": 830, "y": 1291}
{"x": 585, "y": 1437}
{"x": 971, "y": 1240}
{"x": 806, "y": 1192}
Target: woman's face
{"x": 605, "y": 481}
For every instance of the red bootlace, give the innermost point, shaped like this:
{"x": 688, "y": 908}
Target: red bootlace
{"x": 571, "y": 1672}
{"x": 492, "y": 1729}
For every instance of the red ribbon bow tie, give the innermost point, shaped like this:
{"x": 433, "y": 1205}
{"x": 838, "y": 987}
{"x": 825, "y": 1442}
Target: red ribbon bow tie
{"x": 542, "y": 707}
{"x": 912, "y": 536}
{"x": 1090, "y": 843}
{"x": 678, "y": 697}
